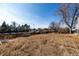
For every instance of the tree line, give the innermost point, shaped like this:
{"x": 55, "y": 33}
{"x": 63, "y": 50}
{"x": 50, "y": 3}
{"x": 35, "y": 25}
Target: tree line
{"x": 13, "y": 27}
{"x": 53, "y": 27}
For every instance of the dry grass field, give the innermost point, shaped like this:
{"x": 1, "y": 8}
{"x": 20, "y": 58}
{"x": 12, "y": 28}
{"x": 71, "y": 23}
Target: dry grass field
{"x": 51, "y": 44}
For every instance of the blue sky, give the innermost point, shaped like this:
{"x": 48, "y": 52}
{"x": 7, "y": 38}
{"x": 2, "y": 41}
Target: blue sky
{"x": 36, "y": 15}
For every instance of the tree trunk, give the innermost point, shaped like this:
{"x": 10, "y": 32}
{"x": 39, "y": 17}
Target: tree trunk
{"x": 70, "y": 30}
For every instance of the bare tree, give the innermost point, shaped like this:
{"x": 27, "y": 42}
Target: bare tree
{"x": 54, "y": 26}
{"x": 68, "y": 13}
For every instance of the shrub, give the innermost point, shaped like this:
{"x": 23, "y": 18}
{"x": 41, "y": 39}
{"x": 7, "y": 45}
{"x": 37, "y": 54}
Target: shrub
{"x": 63, "y": 30}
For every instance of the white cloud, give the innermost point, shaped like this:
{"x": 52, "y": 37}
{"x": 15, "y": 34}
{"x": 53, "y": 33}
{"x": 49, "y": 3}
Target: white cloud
{"x": 10, "y": 14}
{"x": 8, "y": 17}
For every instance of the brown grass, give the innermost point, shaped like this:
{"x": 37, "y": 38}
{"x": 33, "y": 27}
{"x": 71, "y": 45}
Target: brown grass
{"x": 7, "y": 36}
{"x": 42, "y": 45}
